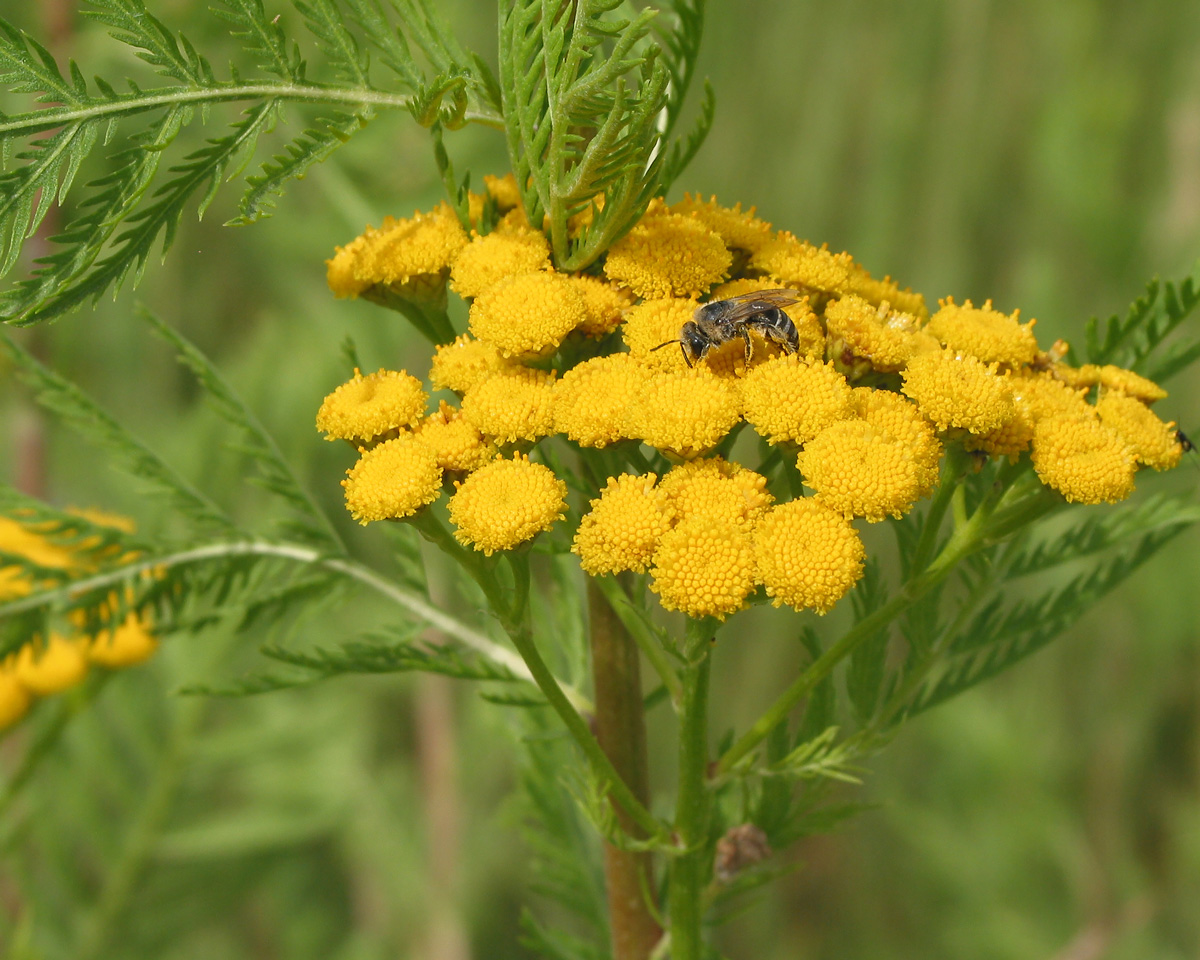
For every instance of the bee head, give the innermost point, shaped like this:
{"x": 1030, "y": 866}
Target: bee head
{"x": 692, "y": 341}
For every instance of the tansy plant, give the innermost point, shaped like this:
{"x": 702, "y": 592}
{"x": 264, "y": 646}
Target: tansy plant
{"x": 613, "y": 501}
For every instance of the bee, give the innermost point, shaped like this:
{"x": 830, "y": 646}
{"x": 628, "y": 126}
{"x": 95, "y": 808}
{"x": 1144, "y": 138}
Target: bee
{"x": 720, "y": 321}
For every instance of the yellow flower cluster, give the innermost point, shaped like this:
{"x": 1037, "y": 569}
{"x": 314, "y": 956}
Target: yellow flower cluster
{"x": 858, "y": 386}
{"x": 51, "y": 664}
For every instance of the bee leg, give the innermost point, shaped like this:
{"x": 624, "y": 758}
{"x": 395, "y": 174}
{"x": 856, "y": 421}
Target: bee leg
{"x": 749, "y": 343}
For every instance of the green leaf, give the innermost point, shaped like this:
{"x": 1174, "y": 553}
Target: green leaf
{"x": 130, "y": 22}
{"x": 262, "y": 38}
{"x": 326, "y": 23}
{"x": 1152, "y": 318}
{"x": 864, "y": 677}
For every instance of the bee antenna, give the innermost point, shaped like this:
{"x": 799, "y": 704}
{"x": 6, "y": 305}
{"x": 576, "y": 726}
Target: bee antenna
{"x": 667, "y": 344}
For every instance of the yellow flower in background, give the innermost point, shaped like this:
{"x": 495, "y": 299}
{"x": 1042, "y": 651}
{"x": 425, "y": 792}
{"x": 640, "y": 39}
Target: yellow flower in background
{"x": 15, "y": 699}
{"x": 885, "y": 338}
{"x": 738, "y": 229}
{"x": 984, "y": 333}
{"x": 668, "y": 255}
{"x": 686, "y": 414}
{"x": 366, "y": 407}
{"x": 503, "y": 190}
{"x": 527, "y": 315}
{"x": 17, "y": 538}
{"x": 488, "y": 260}
{"x": 592, "y": 399}
{"x": 792, "y": 400}
{"x": 1153, "y": 442}
{"x": 506, "y": 503}
{"x": 797, "y": 263}
{"x": 512, "y": 405}
{"x": 1083, "y": 459}
{"x": 392, "y": 481}
{"x": 455, "y": 441}
{"x": 57, "y": 665}
{"x": 959, "y": 391}
{"x": 704, "y": 567}
{"x": 715, "y": 488}
{"x": 127, "y": 644}
{"x": 624, "y": 527}
{"x": 604, "y": 305}
{"x": 860, "y": 471}
{"x": 460, "y": 365}
{"x": 808, "y": 555}
{"x": 651, "y": 324}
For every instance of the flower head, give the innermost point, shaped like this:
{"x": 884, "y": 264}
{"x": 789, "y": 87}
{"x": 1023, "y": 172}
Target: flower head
{"x": 875, "y": 292}
{"x": 715, "y": 488}
{"x": 959, "y": 391}
{"x": 984, "y": 333}
{"x": 527, "y": 315}
{"x": 1153, "y": 442}
{"x": 516, "y": 404}
{"x": 14, "y": 698}
{"x": 623, "y": 528}
{"x": 366, "y": 407}
{"x": 704, "y": 567}
{"x": 862, "y": 472}
{"x": 592, "y": 399}
{"x": 792, "y": 400}
{"x": 654, "y": 323}
{"x": 455, "y": 441}
{"x": 899, "y": 420}
{"x": 668, "y": 255}
{"x": 886, "y": 339}
{"x": 1111, "y": 378}
{"x": 489, "y": 259}
{"x": 1083, "y": 459}
{"x": 392, "y": 481}
{"x": 685, "y": 413}
{"x": 604, "y": 305}
{"x": 460, "y": 365}
{"x": 128, "y": 643}
{"x": 1045, "y": 396}
{"x": 797, "y": 263}
{"x": 53, "y": 667}
{"x": 506, "y": 503}
{"x": 503, "y": 190}
{"x": 738, "y": 229}
{"x": 341, "y": 269}
{"x": 410, "y": 251}
{"x": 808, "y": 555}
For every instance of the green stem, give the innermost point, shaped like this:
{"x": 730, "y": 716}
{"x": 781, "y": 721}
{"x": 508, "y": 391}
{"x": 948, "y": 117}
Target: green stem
{"x": 618, "y": 600}
{"x": 691, "y": 868}
{"x": 952, "y": 475}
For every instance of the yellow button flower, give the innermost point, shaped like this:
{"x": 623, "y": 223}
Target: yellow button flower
{"x": 14, "y": 698}
{"x": 412, "y": 250}
{"x": 684, "y": 413}
{"x": 366, "y": 407}
{"x": 885, "y": 338}
{"x": 789, "y": 399}
{"x": 899, "y": 420}
{"x": 527, "y": 315}
{"x": 1045, "y": 396}
{"x": 455, "y": 441}
{"x": 902, "y": 299}
{"x": 460, "y": 365}
{"x": 506, "y": 503}
{"x": 516, "y": 404}
{"x": 1111, "y": 377}
{"x": 797, "y": 263}
{"x": 715, "y": 488}
{"x": 52, "y": 668}
{"x": 341, "y": 271}
{"x": 704, "y": 567}
{"x": 131, "y": 642}
{"x": 1154, "y": 443}
{"x": 392, "y": 481}
{"x": 653, "y": 323}
{"x": 623, "y": 528}
{"x": 861, "y": 472}
{"x": 808, "y": 555}
{"x": 604, "y": 304}
{"x": 23, "y": 540}
{"x": 737, "y": 229}
{"x": 984, "y": 333}
{"x": 1010, "y": 440}
{"x": 592, "y": 399}
{"x": 668, "y": 255}
{"x": 503, "y": 190}
{"x": 959, "y": 391}
{"x": 490, "y": 259}
{"x": 1083, "y": 459}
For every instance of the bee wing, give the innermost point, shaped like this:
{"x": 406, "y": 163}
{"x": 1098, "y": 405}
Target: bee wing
{"x": 748, "y": 304}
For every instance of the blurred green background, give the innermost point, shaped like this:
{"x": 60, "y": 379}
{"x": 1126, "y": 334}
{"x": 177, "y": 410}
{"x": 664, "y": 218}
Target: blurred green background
{"x": 1044, "y": 155}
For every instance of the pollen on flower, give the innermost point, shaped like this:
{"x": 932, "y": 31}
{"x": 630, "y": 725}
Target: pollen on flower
{"x": 959, "y": 391}
{"x": 411, "y": 250}
{"x": 129, "y": 642}
{"x": 738, "y": 229}
{"x": 886, "y": 339}
{"x": 715, "y": 488}
{"x": 704, "y": 567}
{"x": 454, "y": 440}
{"x": 516, "y": 404}
{"x": 899, "y": 420}
{"x": 797, "y": 263}
{"x": 604, "y": 305}
{"x": 527, "y": 315}
{"x": 1154, "y": 443}
{"x": 808, "y": 555}
{"x": 506, "y": 503}
{"x": 654, "y": 323}
{"x": 366, "y": 407}
{"x": 668, "y": 255}
{"x": 623, "y": 528}
{"x": 1083, "y": 459}
{"x": 392, "y": 481}
{"x": 489, "y": 259}
{"x": 684, "y": 413}
{"x": 44, "y": 669}
{"x": 984, "y": 333}
{"x": 791, "y": 400}
{"x": 861, "y": 472}
{"x": 592, "y": 399}
{"x": 460, "y": 365}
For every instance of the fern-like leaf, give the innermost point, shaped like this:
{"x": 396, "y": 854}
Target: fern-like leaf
{"x": 1151, "y": 319}
{"x": 262, "y": 38}
{"x": 130, "y": 22}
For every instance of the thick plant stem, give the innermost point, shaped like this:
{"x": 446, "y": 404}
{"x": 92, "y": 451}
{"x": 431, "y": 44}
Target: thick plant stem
{"x": 690, "y": 869}
{"x": 621, "y": 729}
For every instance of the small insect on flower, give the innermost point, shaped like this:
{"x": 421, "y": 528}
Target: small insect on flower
{"x": 1184, "y": 441}
{"x": 721, "y": 321}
